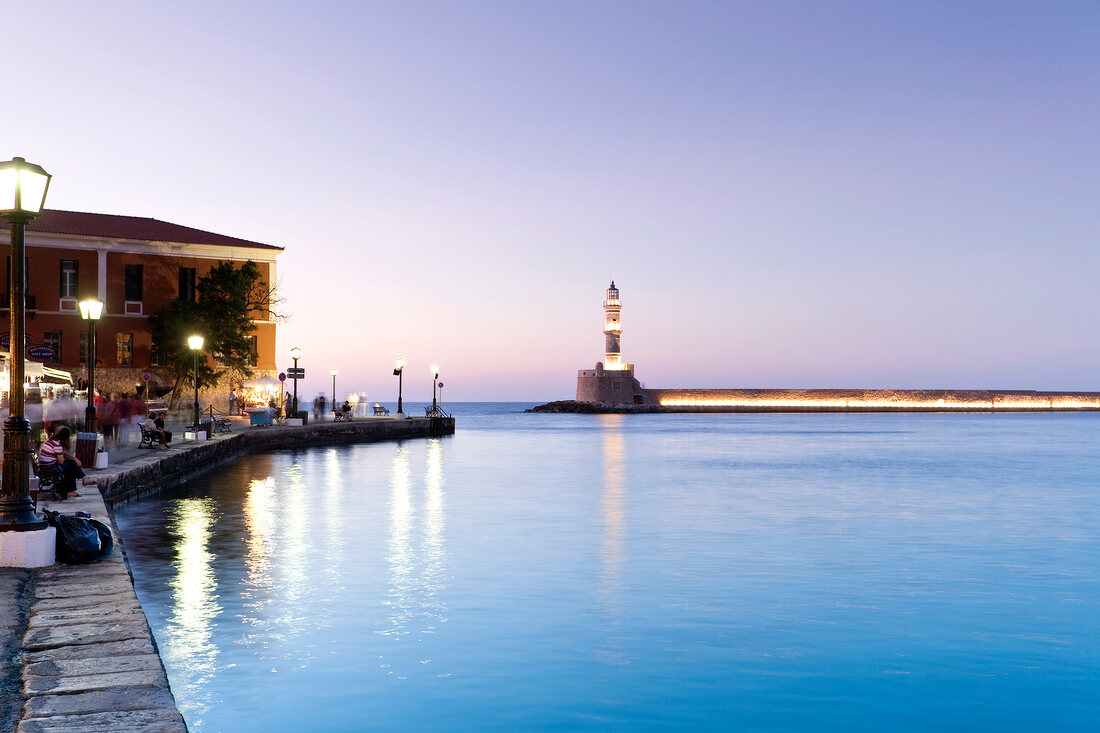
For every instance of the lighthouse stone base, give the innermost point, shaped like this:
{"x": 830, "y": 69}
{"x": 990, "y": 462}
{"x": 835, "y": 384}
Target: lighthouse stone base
{"x": 610, "y": 387}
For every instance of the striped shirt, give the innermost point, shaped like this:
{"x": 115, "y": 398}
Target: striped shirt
{"x": 50, "y": 453}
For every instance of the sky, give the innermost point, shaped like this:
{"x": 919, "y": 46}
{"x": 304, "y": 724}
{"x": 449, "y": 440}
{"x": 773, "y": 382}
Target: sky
{"x": 788, "y": 194}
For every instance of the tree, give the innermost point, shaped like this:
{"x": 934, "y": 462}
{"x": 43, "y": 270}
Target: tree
{"x": 228, "y": 299}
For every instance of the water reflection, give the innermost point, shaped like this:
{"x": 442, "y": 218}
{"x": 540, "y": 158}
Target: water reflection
{"x": 417, "y": 554}
{"x": 614, "y": 532}
{"x": 189, "y": 646}
{"x": 259, "y": 586}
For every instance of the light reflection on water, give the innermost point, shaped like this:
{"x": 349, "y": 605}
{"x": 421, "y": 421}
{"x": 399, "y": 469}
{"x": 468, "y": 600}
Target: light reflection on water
{"x": 776, "y": 572}
{"x": 188, "y": 634}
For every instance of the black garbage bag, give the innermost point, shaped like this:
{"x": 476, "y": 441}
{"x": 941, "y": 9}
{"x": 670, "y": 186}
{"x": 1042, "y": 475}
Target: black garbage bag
{"x": 77, "y": 540}
{"x": 106, "y": 542}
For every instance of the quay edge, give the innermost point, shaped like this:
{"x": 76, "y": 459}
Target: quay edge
{"x": 88, "y": 658}
{"x": 151, "y": 475}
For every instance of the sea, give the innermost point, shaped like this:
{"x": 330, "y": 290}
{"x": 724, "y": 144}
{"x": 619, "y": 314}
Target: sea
{"x": 710, "y": 572}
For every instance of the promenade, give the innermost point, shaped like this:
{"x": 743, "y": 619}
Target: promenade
{"x": 79, "y": 652}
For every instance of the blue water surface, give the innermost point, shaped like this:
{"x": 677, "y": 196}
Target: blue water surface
{"x": 855, "y": 572}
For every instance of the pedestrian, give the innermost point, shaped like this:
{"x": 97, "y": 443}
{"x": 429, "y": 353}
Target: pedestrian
{"x": 108, "y": 418}
{"x": 234, "y": 403}
{"x": 324, "y": 403}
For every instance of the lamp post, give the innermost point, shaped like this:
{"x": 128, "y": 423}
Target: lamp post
{"x": 90, "y": 310}
{"x": 398, "y": 373}
{"x": 195, "y": 342}
{"x": 435, "y": 376}
{"x": 334, "y": 389}
{"x": 23, "y": 188}
{"x": 296, "y": 354}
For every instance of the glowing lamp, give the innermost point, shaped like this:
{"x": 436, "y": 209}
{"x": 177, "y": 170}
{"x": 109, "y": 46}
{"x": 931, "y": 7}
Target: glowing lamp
{"x": 91, "y": 309}
{"x": 23, "y": 187}
{"x": 195, "y": 342}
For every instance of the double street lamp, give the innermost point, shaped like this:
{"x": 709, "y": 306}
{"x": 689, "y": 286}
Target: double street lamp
{"x": 90, "y": 310}
{"x": 195, "y": 342}
{"x": 398, "y": 372}
{"x": 23, "y": 189}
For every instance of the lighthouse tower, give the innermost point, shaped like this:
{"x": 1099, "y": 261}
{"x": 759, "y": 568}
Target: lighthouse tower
{"x": 612, "y": 330}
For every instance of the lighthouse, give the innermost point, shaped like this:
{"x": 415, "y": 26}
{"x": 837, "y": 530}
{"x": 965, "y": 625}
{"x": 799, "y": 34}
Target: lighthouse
{"x": 612, "y": 331}
{"x": 612, "y": 382}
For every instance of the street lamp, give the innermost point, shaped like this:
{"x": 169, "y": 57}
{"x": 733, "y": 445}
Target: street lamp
{"x": 195, "y": 342}
{"x": 90, "y": 310}
{"x": 23, "y": 188}
{"x": 398, "y": 373}
{"x": 296, "y": 354}
{"x": 435, "y": 376}
{"x": 333, "y": 389}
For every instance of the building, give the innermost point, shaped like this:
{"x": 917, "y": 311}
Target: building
{"x": 136, "y": 266}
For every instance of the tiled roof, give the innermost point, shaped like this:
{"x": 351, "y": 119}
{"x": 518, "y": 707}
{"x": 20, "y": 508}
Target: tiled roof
{"x": 114, "y": 226}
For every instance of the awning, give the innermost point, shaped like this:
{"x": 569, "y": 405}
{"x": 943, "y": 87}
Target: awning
{"x": 56, "y": 376}
{"x": 263, "y": 384}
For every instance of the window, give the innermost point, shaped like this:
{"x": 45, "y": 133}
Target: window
{"x": 253, "y": 358}
{"x": 124, "y": 349}
{"x": 52, "y": 340}
{"x": 134, "y": 277}
{"x": 84, "y": 347}
{"x": 187, "y": 284}
{"x": 68, "y": 278}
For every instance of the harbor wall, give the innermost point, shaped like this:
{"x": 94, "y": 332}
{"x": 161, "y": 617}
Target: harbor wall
{"x": 867, "y": 400}
{"x": 153, "y": 474}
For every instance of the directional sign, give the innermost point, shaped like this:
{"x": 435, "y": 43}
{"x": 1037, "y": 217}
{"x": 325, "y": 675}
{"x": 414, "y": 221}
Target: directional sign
{"x": 282, "y": 377}
{"x": 296, "y": 373}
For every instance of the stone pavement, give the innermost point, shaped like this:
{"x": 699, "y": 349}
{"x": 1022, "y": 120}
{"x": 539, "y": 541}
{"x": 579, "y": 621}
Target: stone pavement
{"x": 89, "y": 659}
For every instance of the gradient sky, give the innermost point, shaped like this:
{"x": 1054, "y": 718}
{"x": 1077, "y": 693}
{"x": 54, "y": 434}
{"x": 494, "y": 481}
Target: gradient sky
{"x": 788, "y": 194}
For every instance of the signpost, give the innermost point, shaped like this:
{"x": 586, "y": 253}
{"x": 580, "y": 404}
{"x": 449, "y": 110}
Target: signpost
{"x": 296, "y": 373}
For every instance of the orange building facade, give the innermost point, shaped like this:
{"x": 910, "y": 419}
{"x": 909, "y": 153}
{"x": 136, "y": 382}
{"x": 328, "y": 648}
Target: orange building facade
{"x": 136, "y": 266}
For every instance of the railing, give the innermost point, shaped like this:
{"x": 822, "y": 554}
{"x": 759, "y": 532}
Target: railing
{"x": 436, "y": 411}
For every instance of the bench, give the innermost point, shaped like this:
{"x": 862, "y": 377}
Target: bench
{"x": 149, "y": 438}
{"x": 380, "y": 410}
{"x": 222, "y": 424}
{"x": 341, "y": 416}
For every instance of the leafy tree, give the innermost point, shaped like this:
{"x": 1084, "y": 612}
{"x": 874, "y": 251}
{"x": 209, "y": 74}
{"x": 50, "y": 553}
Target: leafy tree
{"x": 228, "y": 299}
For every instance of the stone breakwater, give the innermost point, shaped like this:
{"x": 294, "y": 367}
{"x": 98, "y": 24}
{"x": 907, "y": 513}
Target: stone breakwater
{"x": 832, "y": 400}
{"x": 77, "y": 635}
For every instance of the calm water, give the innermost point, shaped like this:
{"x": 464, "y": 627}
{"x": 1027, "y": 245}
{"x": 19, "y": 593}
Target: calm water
{"x": 643, "y": 572}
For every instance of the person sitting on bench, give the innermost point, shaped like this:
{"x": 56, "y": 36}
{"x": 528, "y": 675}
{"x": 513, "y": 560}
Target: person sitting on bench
{"x": 55, "y": 452}
{"x": 155, "y": 424}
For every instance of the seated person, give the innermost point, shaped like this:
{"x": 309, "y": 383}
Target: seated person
{"x": 55, "y": 452}
{"x": 155, "y": 424}
{"x": 346, "y": 409}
